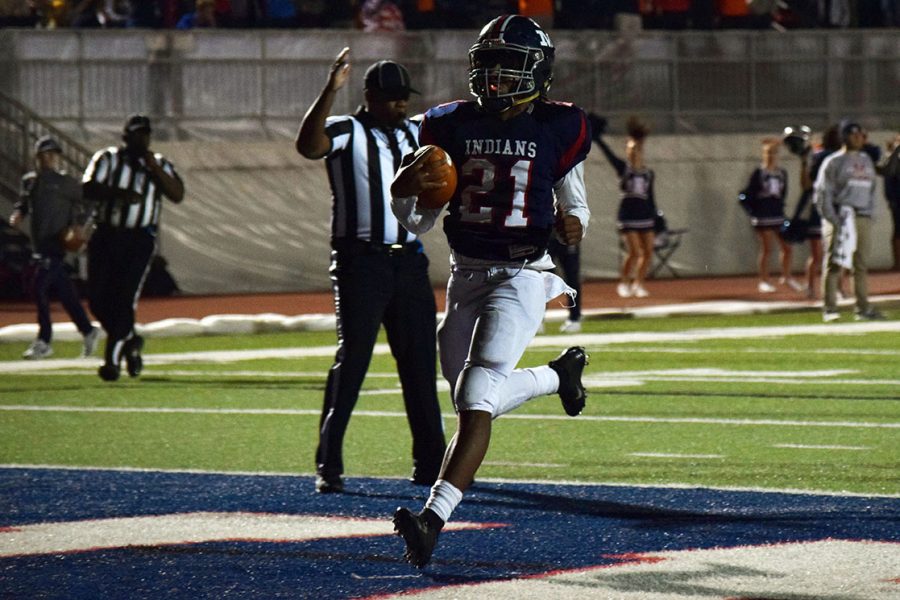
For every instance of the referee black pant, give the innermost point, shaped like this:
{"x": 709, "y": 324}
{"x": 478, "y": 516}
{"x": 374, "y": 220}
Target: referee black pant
{"x": 375, "y": 285}
{"x": 118, "y": 262}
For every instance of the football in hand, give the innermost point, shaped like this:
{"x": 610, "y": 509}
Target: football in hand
{"x": 440, "y": 167}
{"x": 74, "y": 238}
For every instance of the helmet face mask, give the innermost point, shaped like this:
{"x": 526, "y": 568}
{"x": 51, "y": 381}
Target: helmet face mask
{"x": 510, "y": 64}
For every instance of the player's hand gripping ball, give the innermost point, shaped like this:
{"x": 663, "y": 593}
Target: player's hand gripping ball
{"x": 439, "y": 168}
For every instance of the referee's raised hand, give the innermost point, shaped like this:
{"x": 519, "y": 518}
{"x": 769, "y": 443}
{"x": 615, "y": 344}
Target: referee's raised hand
{"x": 311, "y": 140}
{"x": 340, "y": 70}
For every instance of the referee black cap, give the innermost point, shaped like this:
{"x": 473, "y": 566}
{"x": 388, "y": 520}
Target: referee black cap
{"x": 137, "y": 122}
{"x": 47, "y": 144}
{"x": 389, "y": 78}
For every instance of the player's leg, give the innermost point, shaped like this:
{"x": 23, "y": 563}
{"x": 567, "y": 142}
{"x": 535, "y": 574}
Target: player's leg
{"x": 409, "y": 321}
{"x": 43, "y": 282}
{"x": 68, "y": 296}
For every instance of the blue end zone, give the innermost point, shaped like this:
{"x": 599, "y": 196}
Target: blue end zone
{"x": 549, "y": 528}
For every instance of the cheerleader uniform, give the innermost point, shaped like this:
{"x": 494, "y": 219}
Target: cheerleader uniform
{"x": 764, "y": 198}
{"x": 637, "y": 209}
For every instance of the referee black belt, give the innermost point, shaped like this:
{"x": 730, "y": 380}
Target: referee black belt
{"x": 358, "y": 247}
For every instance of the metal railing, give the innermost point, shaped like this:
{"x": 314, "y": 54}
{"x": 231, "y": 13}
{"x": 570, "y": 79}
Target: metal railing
{"x": 20, "y": 127}
{"x": 259, "y": 81}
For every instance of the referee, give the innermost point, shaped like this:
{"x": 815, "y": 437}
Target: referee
{"x": 127, "y": 184}
{"x": 379, "y": 272}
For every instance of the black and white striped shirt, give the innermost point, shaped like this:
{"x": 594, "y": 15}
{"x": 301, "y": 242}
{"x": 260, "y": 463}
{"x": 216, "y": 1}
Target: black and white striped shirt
{"x": 113, "y": 167}
{"x": 361, "y": 165}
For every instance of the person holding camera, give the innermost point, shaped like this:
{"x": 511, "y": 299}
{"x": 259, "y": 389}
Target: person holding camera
{"x": 53, "y": 200}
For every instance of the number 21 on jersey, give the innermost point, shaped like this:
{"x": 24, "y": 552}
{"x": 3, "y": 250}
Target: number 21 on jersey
{"x": 474, "y": 210}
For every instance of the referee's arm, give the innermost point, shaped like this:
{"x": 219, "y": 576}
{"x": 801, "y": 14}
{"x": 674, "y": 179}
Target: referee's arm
{"x": 312, "y": 141}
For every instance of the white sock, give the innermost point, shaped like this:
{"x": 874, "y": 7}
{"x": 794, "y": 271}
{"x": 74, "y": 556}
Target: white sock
{"x": 443, "y": 499}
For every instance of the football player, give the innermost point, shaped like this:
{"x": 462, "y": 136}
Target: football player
{"x": 520, "y": 164}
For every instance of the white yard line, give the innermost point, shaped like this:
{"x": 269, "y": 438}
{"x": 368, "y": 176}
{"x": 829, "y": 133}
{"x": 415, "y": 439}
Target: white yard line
{"x": 591, "y": 340}
{"x": 816, "y": 447}
{"x": 625, "y": 484}
{"x": 665, "y": 455}
{"x": 391, "y": 414}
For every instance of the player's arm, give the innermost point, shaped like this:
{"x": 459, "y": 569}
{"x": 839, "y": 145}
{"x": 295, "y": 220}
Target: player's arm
{"x": 572, "y": 211}
{"x": 20, "y": 208}
{"x": 410, "y": 181}
{"x": 312, "y": 141}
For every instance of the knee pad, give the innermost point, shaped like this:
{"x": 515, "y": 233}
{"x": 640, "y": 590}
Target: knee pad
{"x": 477, "y": 390}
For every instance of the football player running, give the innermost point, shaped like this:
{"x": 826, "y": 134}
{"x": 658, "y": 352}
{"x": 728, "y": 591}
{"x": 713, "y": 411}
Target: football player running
{"x": 520, "y": 166}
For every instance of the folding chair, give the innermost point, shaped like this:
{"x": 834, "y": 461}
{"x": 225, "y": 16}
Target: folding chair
{"x": 664, "y": 246}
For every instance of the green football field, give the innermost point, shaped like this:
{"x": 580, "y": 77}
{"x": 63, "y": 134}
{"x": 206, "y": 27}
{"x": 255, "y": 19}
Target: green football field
{"x": 776, "y": 401}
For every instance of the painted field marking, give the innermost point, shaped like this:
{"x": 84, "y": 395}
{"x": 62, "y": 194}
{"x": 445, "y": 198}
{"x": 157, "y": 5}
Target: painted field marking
{"x": 501, "y": 463}
{"x": 391, "y": 414}
{"x": 847, "y": 569}
{"x": 189, "y": 528}
{"x": 563, "y": 482}
{"x": 820, "y": 447}
{"x": 666, "y": 455}
{"x": 555, "y": 341}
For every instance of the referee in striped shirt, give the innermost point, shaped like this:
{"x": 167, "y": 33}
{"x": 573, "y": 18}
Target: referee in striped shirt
{"x": 379, "y": 272}
{"x": 126, "y": 184}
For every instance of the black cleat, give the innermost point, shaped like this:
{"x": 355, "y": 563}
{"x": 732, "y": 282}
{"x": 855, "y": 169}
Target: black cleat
{"x": 420, "y": 535}
{"x": 569, "y": 365}
{"x": 108, "y": 372}
{"x": 329, "y": 484}
{"x": 134, "y": 363}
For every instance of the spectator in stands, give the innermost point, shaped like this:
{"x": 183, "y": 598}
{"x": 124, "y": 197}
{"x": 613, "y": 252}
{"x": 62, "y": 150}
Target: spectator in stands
{"x": 145, "y": 15}
{"x": 97, "y": 13}
{"x": 381, "y": 15}
{"x": 16, "y": 13}
{"x": 203, "y": 16}
{"x": 311, "y": 13}
{"x": 53, "y": 200}
{"x": 890, "y": 170}
{"x": 245, "y": 13}
{"x": 280, "y": 13}
{"x": 763, "y": 200}
{"x": 666, "y": 14}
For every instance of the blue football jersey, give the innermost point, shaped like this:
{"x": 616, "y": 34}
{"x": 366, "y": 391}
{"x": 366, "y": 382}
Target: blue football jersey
{"x": 503, "y": 205}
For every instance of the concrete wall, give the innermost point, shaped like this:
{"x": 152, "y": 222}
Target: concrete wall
{"x": 256, "y": 215}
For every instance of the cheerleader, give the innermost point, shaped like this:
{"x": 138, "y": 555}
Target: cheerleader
{"x": 763, "y": 200}
{"x": 637, "y": 209}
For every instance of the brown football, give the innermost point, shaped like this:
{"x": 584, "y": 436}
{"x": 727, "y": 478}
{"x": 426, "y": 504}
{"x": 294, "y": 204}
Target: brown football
{"x": 73, "y": 238}
{"x": 438, "y": 162}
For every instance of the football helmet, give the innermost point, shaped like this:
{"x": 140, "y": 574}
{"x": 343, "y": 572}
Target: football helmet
{"x": 510, "y": 64}
{"x": 797, "y": 139}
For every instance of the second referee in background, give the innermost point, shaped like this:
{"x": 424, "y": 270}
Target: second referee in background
{"x": 379, "y": 271}
{"x": 127, "y": 184}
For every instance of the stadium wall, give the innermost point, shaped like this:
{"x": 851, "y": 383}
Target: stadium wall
{"x": 256, "y": 214}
